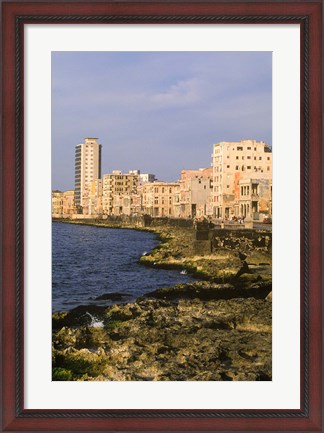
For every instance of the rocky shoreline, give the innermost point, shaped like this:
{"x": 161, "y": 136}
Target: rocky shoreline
{"x": 217, "y": 327}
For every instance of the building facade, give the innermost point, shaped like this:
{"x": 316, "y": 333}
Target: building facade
{"x": 87, "y": 169}
{"x": 146, "y": 177}
{"x": 196, "y": 188}
{"x": 57, "y": 203}
{"x": 160, "y": 199}
{"x": 234, "y": 163}
{"x": 68, "y": 202}
{"x": 255, "y": 200}
{"x": 118, "y": 192}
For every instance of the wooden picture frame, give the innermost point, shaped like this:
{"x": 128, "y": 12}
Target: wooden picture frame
{"x": 14, "y": 16}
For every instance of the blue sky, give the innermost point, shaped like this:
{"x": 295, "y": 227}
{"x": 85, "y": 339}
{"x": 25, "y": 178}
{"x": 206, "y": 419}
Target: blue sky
{"x": 159, "y": 112}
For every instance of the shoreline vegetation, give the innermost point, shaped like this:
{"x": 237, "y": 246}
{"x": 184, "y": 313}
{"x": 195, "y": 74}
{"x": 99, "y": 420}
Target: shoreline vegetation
{"x": 216, "y": 327}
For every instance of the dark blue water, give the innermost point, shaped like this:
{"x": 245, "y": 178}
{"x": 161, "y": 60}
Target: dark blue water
{"x": 91, "y": 261}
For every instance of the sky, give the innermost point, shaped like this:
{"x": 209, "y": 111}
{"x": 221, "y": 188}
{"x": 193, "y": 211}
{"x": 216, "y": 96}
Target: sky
{"x": 157, "y": 112}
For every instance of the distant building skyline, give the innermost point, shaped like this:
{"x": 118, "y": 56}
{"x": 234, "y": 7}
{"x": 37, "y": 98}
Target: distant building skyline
{"x": 159, "y": 112}
{"x": 87, "y": 167}
{"x": 238, "y": 185}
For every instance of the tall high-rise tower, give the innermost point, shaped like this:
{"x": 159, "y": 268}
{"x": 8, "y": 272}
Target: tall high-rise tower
{"x": 87, "y": 167}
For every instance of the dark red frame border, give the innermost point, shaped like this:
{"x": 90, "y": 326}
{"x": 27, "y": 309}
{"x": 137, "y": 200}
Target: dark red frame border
{"x": 309, "y": 15}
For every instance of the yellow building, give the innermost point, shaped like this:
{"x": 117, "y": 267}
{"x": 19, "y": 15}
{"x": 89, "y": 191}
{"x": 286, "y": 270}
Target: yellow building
{"x": 57, "y": 203}
{"x": 92, "y": 198}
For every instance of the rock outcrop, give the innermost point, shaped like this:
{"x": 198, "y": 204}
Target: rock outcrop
{"x": 161, "y": 340}
{"x": 215, "y": 328}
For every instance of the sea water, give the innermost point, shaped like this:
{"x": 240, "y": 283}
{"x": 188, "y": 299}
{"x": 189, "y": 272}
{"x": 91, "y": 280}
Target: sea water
{"x": 89, "y": 261}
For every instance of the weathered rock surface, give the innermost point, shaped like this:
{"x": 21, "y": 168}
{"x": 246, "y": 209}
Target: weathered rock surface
{"x": 177, "y": 251}
{"x": 114, "y": 296}
{"x": 160, "y": 340}
{"x": 212, "y": 291}
{"x": 217, "y": 328}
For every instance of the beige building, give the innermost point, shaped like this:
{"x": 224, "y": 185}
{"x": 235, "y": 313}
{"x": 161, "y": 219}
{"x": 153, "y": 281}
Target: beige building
{"x": 255, "y": 198}
{"x": 195, "y": 195}
{"x": 87, "y": 168}
{"x": 92, "y": 198}
{"x": 160, "y": 199}
{"x": 233, "y": 163}
{"x": 63, "y": 203}
{"x": 146, "y": 177}
{"x": 143, "y": 177}
{"x": 119, "y": 192}
{"x": 57, "y": 203}
{"x": 68, "y": 202}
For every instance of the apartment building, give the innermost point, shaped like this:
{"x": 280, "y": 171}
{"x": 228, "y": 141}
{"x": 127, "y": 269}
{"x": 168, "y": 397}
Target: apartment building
{"x": 255, "y": 198}
{"x": 195, "y": 194}
{"x": 68, "y": 202}
{"x": 233, "y": 162}
{"x": 57, "y": 203}
{"x": 62, "y": 203}
{"x": 146, "y": 177}
{"x": 92, "y": 198}
{"x": 143, "y": 177}
{"x": 160, "y": 199}
{"x": 118, "y": 190}
{"x": 87, "y": 169}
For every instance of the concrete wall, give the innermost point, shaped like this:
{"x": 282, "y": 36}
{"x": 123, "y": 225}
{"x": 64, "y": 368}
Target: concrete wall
{"x": 130, "y": 220}
{"x": 241, "y": 240}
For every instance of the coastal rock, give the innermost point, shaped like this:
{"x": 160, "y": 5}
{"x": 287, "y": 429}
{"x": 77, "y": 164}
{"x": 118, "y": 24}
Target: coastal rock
{"x": 207, "y": 291}
{"x": 215, "y": 329}
{"x": 269, "y": 297}
{"x": 114, "y": 296}
{"x": 188, "y": 340}
{"x": 81, "y": 315}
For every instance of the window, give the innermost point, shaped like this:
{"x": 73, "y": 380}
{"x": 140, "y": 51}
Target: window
{"x": 268, "y": 158}
{"x": 254, "y": 158}
{"x": 228, "y": 166}
{"x": 249, "y": 148}
{"x": 248, "y": 167}
{"x": 239, "y": 148}
{"x": 237, "y": 167}
{"x": 237, "y": 157}
{"x": 260, "y": 158}
{"x": 268, "y": 168}
{"x": 248, "y": 157}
